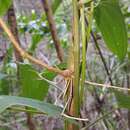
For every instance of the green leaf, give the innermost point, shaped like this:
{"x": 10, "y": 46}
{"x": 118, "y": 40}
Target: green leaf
{"x": 36, "y": 38}
{"x": 55, "y": 5}
{"x": 9, "y": 101}
{"x": 123, "y": 100}
{"x": 110, "y": 21}
{"x": 4, "y": 86}
{"x": 31, "y": 84}
{"x": 4, "y": 6}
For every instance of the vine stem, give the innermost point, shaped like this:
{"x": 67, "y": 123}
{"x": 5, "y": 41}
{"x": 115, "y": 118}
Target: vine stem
{"x": 100, "y": 53}
{"x": 24, "y": 54}
{"x": 107, "y": 86}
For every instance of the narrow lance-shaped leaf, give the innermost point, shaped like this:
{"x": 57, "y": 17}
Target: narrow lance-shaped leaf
{"x": 110, "y": 21}
{"x": 9, "y": 101}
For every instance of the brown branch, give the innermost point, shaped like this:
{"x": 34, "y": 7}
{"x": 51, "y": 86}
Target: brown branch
{"x": 13, "y": 27}
{"x": 30, "y": 122}
{"x": 24, "y": 54}
{"x": 52, "y": 26}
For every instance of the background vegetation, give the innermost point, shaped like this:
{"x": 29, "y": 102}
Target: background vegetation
{"x": 64, "y": 64}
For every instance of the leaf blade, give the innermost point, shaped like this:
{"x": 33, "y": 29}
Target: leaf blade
{"x": 9, "y": 101}
{"x": 31, "y": 85}
{"x": 4, "y": 5}
{"x": 110, "y": 21}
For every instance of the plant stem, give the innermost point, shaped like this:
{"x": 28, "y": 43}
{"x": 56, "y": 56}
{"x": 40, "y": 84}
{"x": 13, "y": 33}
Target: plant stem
{"x": 107, "y": 86}
{"x": 76, "y": 56}
{"x": 53, "y": 30}
{"x": 85, "y": 40}
{"x": 13, "y": 27}
{"x": 30, "y": 122}
{"x": 75, "y": 110}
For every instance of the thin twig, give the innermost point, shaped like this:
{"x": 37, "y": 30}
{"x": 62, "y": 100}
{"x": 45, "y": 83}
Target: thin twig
{"x": 106, "y": 85}
{"x": 101, "y": 55}
{"x": 74, "y": 118}
{"x": 49, "y": 82}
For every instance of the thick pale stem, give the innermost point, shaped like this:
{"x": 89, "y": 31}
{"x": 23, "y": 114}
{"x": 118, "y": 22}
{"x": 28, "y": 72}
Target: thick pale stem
{"x": 76, "y": 56}
{"x": 75, "y": 110}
